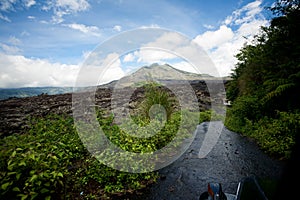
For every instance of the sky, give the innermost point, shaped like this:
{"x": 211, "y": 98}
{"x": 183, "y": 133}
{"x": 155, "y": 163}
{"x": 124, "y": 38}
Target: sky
{"x": 46, "y": 43}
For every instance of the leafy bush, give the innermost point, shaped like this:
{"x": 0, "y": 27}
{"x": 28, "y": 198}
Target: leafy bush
{"x": 50, "y": 162}
{"x": 275, "y": 135}
{"x": 156, "y": 94}
{"x": 244, "y": 111}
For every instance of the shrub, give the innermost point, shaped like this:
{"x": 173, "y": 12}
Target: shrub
{"x": 156, "y": 95}
{"x": 275, "y": 135}
{"x": 50, "y": 162}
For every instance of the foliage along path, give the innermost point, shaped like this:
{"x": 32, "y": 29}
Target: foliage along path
{"x": 232, "y": 158}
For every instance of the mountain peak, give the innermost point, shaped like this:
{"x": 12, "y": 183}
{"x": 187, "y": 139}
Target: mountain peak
{"x": 162, "y": 73}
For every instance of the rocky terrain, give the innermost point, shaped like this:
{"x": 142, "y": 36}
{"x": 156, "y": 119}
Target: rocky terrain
{"x": 16, "y": 112}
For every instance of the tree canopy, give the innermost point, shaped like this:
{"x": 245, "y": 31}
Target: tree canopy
{"x": 266, "y": 82}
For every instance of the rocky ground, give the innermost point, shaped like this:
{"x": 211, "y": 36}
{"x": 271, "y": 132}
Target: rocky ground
{"x": 16, "y": 112}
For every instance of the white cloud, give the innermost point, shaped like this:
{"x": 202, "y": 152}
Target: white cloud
{"x": 117, "y": 28}
{"x": 7, "y": 5}
{"x": 85, "y": 54}
{"x": 220, "y": 45}
{"x": 211, "y": 39}
{"x": 24, "y": 33}
{"x": 129, "y": 57}
{"x": 19, "y": 71}
{"x": 73, "y": 5}
{"x": 29, "y": 3}
{"x": 65, "y": 7}
{"x": 149, "y": 56}
{"x": 11, "y": 46}
{"x": 246, "y": 13}
{"x": 223, "y": 44}
{"x": 14, "y": 41}
{"x": 5, "y": 18}
{"x": 10, "y": 49}
{"x": 208, "y": 26}
{"x": 92, "y": 30}
{"x": 31, "y": 17}
{"x": 99, "y": 71}
{"x": 173, "y": 48}
{"x": 185, "y": 66}
{"x": 157, "y": 51}
{"x": 113, "y": 71}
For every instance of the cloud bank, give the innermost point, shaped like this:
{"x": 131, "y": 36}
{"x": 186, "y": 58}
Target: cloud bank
{"x": 224, "y": 43}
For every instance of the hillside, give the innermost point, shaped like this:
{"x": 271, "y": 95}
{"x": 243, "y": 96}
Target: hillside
{"x": 6, "y": 93}
{"x": 161, "y": 73}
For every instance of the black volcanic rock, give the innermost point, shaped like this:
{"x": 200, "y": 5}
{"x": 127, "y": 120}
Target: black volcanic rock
{"x": 15, "y": 112}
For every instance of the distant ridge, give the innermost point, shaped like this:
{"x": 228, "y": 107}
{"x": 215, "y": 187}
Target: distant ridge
{"x": 6, "y": 93}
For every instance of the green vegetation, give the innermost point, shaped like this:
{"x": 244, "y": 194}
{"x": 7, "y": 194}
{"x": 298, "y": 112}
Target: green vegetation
{"x": 49, "y": 161}
{"x": 266, "y": 82}
{"x": 156, "y": 94}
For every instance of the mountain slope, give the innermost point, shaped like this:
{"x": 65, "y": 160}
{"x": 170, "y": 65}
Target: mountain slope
{"x": 161, "y": 73}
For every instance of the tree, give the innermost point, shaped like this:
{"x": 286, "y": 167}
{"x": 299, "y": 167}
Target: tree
{"x": 266, "y": 82}
{"x": 269, "y": 68}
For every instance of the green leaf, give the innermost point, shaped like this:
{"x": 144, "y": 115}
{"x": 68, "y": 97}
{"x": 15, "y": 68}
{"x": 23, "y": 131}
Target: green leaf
{"x": 10, "y": 167}
{"x": 47, "y": 184}
{"x": 44, "y": 190}
{"x": 24, "y": 197}
{"x": 13, "y": 154}
{"x": 22, "y": 163}
{"x": 18, "y": 176}
{"x": 34, "y": 177}
{"x": 48, "y": 198}
{"x": 5, "y": 185}
{"x": 60, "y": 174}
{"x": 32, "y": 156}
{"x": 54, "y": 157}
{"x": 34, "y": 195}
{"x": 16, "y": 189}
{"x": 10, "y": 173}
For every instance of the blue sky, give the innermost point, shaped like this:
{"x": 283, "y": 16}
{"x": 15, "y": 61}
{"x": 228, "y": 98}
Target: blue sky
{"x": 44, "y": 43}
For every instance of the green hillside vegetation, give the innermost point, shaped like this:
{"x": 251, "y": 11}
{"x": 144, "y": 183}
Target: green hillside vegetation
{"x": 266, "y": 83}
